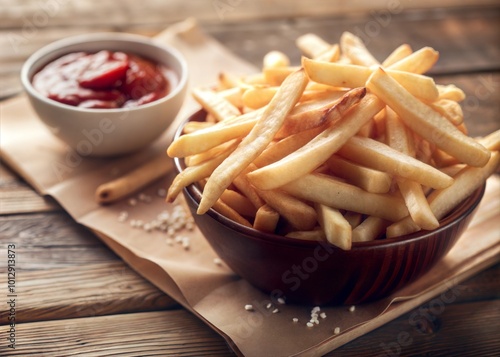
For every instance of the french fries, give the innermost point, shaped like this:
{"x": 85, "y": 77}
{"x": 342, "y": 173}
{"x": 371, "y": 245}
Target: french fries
{"x": 343, "y": 148}
{"x": 256, "y": 141}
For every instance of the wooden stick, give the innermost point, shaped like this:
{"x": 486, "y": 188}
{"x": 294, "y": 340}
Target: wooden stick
{"x": 134, "y": 180}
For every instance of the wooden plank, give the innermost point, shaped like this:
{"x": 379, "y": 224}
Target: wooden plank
{"x": 90, "y": 290}
{"x": 164, "y": 333}
{"x": 92, "y": 12}
{"x": 435, "y": 329}
{"x": 17, "y": 197}
{"x": 51, "y": 240}
{"x": 465, "y": 39}
{"x": 428, "y": 330}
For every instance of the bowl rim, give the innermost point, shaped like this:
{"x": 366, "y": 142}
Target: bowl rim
{"x": 466, "y": 207}
{"x": 47, "y": 50}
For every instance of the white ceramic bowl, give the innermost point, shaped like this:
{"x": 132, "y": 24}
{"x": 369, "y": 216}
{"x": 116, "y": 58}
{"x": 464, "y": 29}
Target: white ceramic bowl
{"x": 107, "y": 132}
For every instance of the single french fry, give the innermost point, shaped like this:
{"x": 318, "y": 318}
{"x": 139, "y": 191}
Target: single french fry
{"x": 442, "y": 158}
{"x": 193, "y": 174}
{"x": 243, "y": 185}
{"x": 450, "y": 92}
{"x": 424, "y": 150}
{"x": 333, "y": 193}
{"x": 227, "y": 80}
{"x": 311, "y": 45}
{"x": 212, "y": 136}
{"x": 354, "y": 48}
{"x": 298, "y": 214}
{"x": 444, "y": 201}
{"x": 399, "y": 139}
{"x": 418, "y": 62}
{"x": 274, "y": 76}
{"x": 274, "y": 59}
{"x": 466, "y": 181}
{"x": 312, "y": 114}
{"x": 370, "y": 229}
{"x": 337, "y": 229}
{"x": 368, "y": 179}
{"x": 450, "y": 109}
{"x": 193, "y": 126}
{"x": 374, "y": 154}
{"x": 353, "y": 76}
{"x": 256, "y": 141}
{"x": 133, "y": 181}
{"x": 399, "y": 53}
{"x": 258, "y": 97}
{"x": 239, "y": 203}
{"x": 354, "y": 218}
{"x": 215, "y": 104}
{"x": 197, "y": 159}
{"x": 286, "y": 146}
{"x": 367, "y": 129}
{"x": 452, "y": 170}
{"x": 233, "y": 96}
{"x": 330, "y": 55}
{"x": 491, "y": 141}
{"x": 318, "y": 150}
{"x": 313, "y": 235}
{"x": 426, "y": 122}
{"x": 266, "y": 219}
{"x": 230, "y": 213}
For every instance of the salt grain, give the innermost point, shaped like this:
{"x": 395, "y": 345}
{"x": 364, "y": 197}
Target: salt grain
{"x": 322, "y": 315}
{"x": 281, "y": 301}
{"x": 132, "y": 202}
{"x": 275, "y": 311}
{"x": 185, "y": 242}
{"x": 249, "y": 307}
{"x": 218, "y": 261}
{"x": 309, "y": 324}
{"x": 352, "y": 308}
{"x": 269, "y": 305}
{"x": 295, "y": 320}
{"x": 122, "y": 217}
{"x": 336, "y": 331}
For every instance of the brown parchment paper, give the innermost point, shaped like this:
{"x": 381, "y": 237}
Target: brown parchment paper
{"x": 210, "y": 291}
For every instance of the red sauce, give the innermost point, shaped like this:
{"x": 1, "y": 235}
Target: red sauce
{"x": 104, "y": 80}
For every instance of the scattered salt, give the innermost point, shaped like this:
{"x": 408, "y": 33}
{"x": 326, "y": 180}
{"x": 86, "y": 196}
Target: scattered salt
{"x": 132, "y": 202}
{"x": 249, "y": 307}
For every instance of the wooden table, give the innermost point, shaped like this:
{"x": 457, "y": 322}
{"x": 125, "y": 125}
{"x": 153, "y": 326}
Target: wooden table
{"x": 76, "y": 297}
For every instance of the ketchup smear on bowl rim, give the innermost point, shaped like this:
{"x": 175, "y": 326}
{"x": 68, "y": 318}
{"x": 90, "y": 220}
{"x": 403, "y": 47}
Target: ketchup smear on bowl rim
{"x": 104, "y": 80}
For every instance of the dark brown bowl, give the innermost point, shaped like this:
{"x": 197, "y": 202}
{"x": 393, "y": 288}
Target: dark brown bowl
{"x": 318, "y": 272}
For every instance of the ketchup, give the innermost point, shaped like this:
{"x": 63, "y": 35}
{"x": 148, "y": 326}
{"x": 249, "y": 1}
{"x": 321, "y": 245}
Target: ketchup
{"x": 103, "y": 80}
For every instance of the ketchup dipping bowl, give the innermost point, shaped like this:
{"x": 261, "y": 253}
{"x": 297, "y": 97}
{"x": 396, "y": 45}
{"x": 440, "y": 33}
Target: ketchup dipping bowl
{"x": 97, "y": 130}
{"x": 317, "y": 273}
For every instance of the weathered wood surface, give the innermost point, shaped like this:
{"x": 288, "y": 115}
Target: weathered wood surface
{"x": 78, "y": 298}
{"x": 431, "y": 328}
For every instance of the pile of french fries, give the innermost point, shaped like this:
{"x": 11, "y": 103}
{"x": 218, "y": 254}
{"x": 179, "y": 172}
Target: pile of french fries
{"x": 342, "y": 148}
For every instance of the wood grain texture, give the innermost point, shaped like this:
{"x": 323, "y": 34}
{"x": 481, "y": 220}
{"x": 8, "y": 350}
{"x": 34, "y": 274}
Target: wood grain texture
{"x": 431, "y": 330}
{"x": 51, "y": 240}
{"x": 17, "y": 197}
{"x": 68, "y": 274}
{"x": 163, "y": 333}
{"x": 89, "y": 290}
{"x": 428, "y": 330}
{"x": 474, "y": 32}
